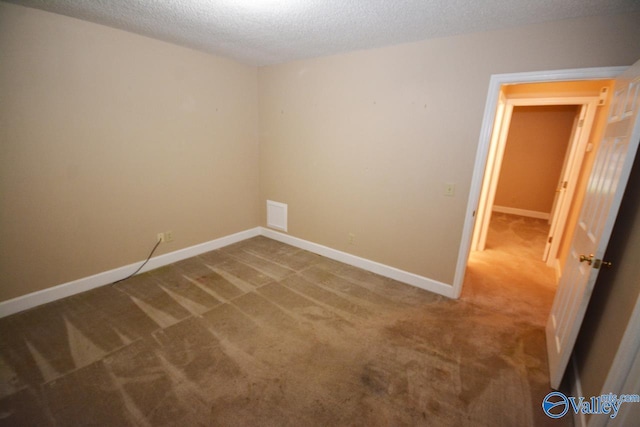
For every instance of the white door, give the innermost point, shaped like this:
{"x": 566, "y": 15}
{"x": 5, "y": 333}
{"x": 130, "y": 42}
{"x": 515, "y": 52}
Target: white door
{"x": 559, "y": 198}
{"x": 599, "y": 210}
{"x": 570, "y": 173}
{"x": 574, "y": 130}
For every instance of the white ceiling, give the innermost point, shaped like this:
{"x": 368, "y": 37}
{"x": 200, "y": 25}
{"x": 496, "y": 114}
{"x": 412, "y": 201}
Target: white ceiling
{"x": 261, "y": 32}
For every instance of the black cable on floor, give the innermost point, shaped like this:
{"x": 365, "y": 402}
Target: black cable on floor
{"x": 143, "y": 264}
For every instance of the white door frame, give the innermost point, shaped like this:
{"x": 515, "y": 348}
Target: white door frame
{"x": 572, "y": 162}
{"x": 492, "y": 173}
{"x": 496, "y": 81}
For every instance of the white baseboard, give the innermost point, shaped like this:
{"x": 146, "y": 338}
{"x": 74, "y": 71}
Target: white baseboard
{"x": 375, "y": 267}
{"x": 521, "y": 212}
{"x": 558, "y": 269}
{"x": 87, "y": 283}
{"x": 44, "y": 296}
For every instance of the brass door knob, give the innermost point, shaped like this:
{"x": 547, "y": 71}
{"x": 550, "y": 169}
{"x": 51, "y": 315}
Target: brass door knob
{"x": 597, "y": 263}
{"x": 587, "y": 259}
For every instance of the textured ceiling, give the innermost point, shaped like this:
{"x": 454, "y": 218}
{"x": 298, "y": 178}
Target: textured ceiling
{"x": 260, "y": 32}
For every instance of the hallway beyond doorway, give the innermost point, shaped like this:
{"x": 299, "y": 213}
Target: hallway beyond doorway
{"x": 510, "y": 271}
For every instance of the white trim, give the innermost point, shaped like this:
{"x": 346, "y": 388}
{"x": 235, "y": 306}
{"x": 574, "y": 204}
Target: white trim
{"x": 558, "y": 269}
{"x": 373, "y": 266}
{"x": 44, "y": 296}
{"x": 495, "y": 82}
{"x": 579, "y": 419}
{"x": 87, "y": 283}
{"x": 552, "y": 100}
{"x": 521, "y": 212}
{"x": 495, "y": 156}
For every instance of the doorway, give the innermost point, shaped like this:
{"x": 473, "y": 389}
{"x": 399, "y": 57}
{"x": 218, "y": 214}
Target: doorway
{"x": 496, "y": 83}
{"x": 539, "y": 138}
{"x": 607, "y": 174}
{"x": 518, "y": 229}
{"x": 535, "y": 178}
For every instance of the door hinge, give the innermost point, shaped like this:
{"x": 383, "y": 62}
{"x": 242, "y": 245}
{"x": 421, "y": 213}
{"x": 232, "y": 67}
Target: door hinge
{"x": 603, "y": 95}
{"x": 580, "y": 122}
{"x": 550, "y": 239}
{"x": 564, "y": 184}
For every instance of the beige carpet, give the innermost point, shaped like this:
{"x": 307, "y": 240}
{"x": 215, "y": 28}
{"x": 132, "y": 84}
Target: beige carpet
{"x": 264, "y": 334}
{"x": 510, "y": 273}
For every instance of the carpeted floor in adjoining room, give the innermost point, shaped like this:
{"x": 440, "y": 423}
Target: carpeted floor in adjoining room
{"x": 263, "y": 334}
{"x": 510, "y": 274}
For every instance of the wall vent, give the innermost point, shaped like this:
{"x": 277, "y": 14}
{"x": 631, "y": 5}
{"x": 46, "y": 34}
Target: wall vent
{"x": 277, "y": 215}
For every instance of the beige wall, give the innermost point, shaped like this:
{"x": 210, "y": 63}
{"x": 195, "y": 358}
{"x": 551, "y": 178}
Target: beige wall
{"x": 533, "y": 157}
{"x": 364, "y": 142}
{"x": 614, "y": 296}
{"x": 106, "y": 139}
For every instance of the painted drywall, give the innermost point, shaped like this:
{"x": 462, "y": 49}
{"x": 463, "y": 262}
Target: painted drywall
{"x": 533, "y": 157}
{"x": 106, "y": 139}
{"x": 364, "y": 143}
{"x": 109, "y": 137}
{"x": 614, "y": 296}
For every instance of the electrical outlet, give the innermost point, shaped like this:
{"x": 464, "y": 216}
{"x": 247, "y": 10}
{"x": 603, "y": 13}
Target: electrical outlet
{"x": 449, "y": 189}
{"x": 351, "y": 237}
{"x": 166, "y": 237}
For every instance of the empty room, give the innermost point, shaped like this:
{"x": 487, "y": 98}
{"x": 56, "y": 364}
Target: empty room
{"x": 278, "y": 212}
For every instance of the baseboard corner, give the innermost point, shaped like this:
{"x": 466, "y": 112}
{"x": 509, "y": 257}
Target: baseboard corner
{"x": 63, "y": 290}
{"x": 366, "y": 264}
